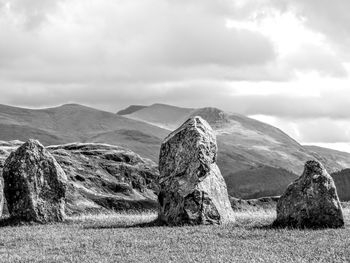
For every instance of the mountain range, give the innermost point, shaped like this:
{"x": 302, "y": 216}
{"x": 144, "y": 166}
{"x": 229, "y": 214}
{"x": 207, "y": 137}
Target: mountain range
{"x": 76, "y": 123}
{"x": 255, "y": 158}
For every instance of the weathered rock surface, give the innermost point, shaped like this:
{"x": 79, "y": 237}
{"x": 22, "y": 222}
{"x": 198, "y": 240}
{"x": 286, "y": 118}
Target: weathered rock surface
{"x": 192, "y": 189}
{"x": 105, "y": 178}
{"x": 311, "y": 201}
{"x": 34, "y": 184}
{"x": 101, "y": 177}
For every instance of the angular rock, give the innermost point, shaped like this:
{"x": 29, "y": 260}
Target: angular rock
{"x": 311, "y": 201}
{"x": 192, "y": 189}
{"x": 34, "y": 184}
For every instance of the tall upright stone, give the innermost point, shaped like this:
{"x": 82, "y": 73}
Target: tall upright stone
{"x": 311, "y": 201}
{"x": 192, "y": 189}
{"x": 34, "y": 184}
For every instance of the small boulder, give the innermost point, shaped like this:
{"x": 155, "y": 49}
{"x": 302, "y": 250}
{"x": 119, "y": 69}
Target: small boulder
{"x": 311, "y": 201}
{"x": 34, "y": 184}
{"x": 192, "y": 189}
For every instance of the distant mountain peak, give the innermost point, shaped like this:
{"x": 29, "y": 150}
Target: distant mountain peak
{"x": 212, "y": 111}
{"x": 163, "y": 105}
{"x": 64, "y": 106}
{"x": 72, "y": 105}
{"x": 131, "y": 109}
{"x": 213, "y": 116}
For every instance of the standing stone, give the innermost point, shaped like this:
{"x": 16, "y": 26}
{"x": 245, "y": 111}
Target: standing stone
{"x": 311, "y": 201}
{"x": 34, "y": 184}
{"x": 192, "y": 189}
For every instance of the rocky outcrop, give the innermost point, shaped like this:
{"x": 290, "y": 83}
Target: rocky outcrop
{"x": 34, "y": 184}
{"x": 106, "y": 178}
{"x": 311, "y": 201}
{"x": 192, "y": 189}
{"x": 101, "y": 177}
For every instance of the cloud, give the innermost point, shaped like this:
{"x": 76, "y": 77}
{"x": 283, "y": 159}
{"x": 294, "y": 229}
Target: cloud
{"x": 313, "y": 131}
{"x": 194, "y": 53}
{"x": 124, "y": 41}
{"x": 327, "y": 105}
{"x": 324, "y": 130}
{"x": 208, "y": 44}
{"x": 313, "y": 58}
{"x": 30, "y": 14}
{"x": 329, "y": 17}
{"x": 105, "y": 42}
{"x": 317, "y": 30}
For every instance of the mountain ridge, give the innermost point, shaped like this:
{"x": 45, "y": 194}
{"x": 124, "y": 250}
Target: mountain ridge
{"x": 75, "y": 123}
{"x": 249, "y": 148}
{"x": 245, "y": 145}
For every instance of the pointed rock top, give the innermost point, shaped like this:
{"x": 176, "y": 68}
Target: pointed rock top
{"x": 313, "y": 167}
{"x": 199, "y": 123}
{"x": 191, "y": 146}
{"x": 32, "y": 143}
{"x": 31, "y": 147}
{"x": 194, "y": 123}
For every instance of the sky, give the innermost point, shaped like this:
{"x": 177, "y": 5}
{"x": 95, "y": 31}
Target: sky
{"x": 283, "y": 62}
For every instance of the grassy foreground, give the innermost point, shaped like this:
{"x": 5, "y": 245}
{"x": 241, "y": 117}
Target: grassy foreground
{"x": 117, "y": 238}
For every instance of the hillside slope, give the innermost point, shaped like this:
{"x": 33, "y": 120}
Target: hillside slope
{"x": 260, "y": 181}
{"x": 131, "y": 109}
{"x": 245, "y": 143}
{"x": 334, "y": 156}
{"x": 77, "y": 123}
{"x": 255, "y": 158}
{"x": 161, "y": 115}
{"x": 342, "y": 182}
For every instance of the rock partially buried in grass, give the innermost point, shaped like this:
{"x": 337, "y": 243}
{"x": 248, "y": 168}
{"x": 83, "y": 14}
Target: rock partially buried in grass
{"x": 34, "y": 184}
{"x": 311, "y": 201}
{"x": 192, "y": 189}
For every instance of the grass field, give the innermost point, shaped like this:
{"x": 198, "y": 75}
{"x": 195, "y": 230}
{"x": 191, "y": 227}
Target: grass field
{"x": 118, "y": 238}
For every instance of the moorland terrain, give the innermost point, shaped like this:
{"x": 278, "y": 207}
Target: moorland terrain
{"x": 126, "y": 237}
{"x": 111, "y": 163}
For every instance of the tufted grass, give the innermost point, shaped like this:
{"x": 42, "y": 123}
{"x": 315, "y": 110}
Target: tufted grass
{"x": 122, "y": 238}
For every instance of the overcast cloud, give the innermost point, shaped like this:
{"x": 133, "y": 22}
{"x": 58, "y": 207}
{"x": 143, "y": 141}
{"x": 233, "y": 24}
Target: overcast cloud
{"x": 281, "y": 61}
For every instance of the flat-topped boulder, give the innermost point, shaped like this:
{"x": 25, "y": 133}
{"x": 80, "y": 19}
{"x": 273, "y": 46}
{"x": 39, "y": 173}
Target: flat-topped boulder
{"x": 192, "y": 189}
{"x": 311, "y": 201}
{"x": 106, "y": 178}
{"x": 34, "y": 184}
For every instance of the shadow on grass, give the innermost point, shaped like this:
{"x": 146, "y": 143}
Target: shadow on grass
{"x": 154, "y": 223}
{"x": 280, "y": 226}
{"x": 14, "y": 221}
